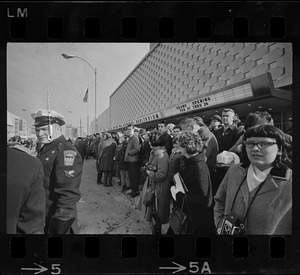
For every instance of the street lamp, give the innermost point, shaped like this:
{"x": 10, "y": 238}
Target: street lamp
{"x": 66, "y": 56}
{"x": 24, "y": 110}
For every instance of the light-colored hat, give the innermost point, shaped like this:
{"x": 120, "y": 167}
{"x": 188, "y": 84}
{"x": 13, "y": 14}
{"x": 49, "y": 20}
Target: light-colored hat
{"x": 227, "y": 158}
{"x": 44, "y": 117}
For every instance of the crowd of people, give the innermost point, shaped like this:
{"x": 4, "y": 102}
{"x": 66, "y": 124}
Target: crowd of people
{"x": 230, "y": 169}
{"x": 204, "y": 156}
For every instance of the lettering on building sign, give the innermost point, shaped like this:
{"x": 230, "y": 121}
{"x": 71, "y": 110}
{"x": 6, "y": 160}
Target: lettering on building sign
{"x": 182, "y": 108}
{"x": 199, "y": 103}
{"x": 236, "y": 93}
{"x": 147, "y": 118}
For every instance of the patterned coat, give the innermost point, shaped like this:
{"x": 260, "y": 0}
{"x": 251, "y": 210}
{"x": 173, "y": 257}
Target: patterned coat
{"x": 271, "y": 211}
{"x": 62, "y": 175}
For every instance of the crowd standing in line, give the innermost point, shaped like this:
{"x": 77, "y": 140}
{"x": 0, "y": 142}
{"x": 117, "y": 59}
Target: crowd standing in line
{"x": 217, "y": 163}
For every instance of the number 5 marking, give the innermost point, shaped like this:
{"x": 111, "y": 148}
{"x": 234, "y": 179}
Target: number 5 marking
{"x": 194, "y": 267}
{"x": 56, "y": 267}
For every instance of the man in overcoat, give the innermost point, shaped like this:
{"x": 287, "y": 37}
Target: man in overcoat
{"x": 132, "y": 159}
{"x": 62, "y": 173}
{"x": 229, "y": 133}
{"x": 26, "y": 199}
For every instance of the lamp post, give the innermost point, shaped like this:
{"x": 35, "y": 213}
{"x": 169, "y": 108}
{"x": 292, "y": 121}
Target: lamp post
{"x": 66, "y": 56}
{"x": 24, "y": 110}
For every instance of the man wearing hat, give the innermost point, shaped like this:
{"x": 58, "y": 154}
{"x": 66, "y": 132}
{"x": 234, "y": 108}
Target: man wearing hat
{"x": 62, "y": 173}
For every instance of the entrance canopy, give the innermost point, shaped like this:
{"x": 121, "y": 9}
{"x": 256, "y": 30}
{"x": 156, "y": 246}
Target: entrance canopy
{"x": 250, "y": 95}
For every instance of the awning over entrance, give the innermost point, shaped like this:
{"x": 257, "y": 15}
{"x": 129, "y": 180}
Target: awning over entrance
{"x": 246, "y": 96}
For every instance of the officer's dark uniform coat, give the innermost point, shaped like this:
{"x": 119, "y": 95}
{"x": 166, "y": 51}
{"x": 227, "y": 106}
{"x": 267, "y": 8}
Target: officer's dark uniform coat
{"x": 62, "y": 169}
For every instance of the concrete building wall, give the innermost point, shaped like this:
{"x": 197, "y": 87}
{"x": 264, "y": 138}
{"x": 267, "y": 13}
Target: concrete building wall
{"x": 175, "y": 72}
{"x": 104, "y": 120}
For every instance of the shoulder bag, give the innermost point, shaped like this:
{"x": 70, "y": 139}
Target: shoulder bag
{"x": 180, "y": 222}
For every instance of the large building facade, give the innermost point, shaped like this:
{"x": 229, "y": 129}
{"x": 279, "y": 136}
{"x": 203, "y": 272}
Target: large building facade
{"x": 17, "y": 126}
{"x": 175, "y": 80}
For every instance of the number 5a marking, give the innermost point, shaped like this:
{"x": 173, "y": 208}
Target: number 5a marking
{"x": 57, "y": 268}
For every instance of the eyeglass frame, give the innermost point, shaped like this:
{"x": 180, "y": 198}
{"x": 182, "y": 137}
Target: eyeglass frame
{"x": 258, "y": 144}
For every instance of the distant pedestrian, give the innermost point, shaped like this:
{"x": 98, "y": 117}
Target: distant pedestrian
{"x": 176, "y": 158}
{"x": 81, "y": 147}
{"x": 132, "y": 159}
{"x": 215, "y": 123}
{"x": 117, "y": 158}
{"x": 125, "y": 182}
{"x": 176, "y": 131}
{"x": 165, "y": 136}
{"x": 289, "y": 129}
{"x": 144, "y": 155}
{"x": 105, "y": 158}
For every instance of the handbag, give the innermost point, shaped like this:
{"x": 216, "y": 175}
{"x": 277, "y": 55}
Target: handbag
{"x": 180, "y": 222}
{"x": 149, "y": 197}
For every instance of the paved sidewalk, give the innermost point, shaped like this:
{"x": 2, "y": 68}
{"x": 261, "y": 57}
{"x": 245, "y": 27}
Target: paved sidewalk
{"x": 116, "y": 184}
{"x": 135, "y": 200}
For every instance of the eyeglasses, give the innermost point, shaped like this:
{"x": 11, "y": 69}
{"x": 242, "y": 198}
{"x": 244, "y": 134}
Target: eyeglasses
{"x": 261, "y": 144}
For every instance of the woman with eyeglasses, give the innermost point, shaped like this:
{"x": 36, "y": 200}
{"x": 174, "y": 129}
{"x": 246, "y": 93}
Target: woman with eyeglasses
{"x": 255, "y": 196}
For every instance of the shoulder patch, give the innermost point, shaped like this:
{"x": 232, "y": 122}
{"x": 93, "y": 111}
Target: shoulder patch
{"x": 69, "y": 157}
{"x": 69, "y": 173}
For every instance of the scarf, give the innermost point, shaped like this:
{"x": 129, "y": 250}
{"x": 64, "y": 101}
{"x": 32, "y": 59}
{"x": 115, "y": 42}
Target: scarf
{"x": 255, "y": 177}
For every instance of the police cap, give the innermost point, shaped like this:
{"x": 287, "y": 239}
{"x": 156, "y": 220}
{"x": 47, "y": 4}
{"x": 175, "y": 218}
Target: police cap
{"x": 44, "y": 117}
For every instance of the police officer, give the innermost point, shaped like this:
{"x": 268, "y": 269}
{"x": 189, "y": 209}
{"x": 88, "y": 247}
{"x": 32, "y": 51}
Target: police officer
{"x": 62, "y": 173}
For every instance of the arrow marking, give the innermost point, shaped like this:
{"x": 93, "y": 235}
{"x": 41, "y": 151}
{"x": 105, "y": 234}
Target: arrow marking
{"x": 178, "y": 267}
{"x": 39, "y": 270}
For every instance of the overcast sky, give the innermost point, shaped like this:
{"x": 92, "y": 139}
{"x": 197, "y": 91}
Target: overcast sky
{"x": 34, "y": 67}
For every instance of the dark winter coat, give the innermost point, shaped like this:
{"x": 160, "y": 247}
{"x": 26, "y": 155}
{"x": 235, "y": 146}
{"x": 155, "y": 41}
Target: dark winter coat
{"x": 211, "y": 147}
{"x": 144, "y": 153}
{"x": 80, "y": 145}
{"x": 123, "y": 164}
{"x": 196, "y": 177}
{"x": 168, "y": 142}
{"x": 106, "y": 155}
{"x": 228, "y": 138}
{"x": 62, "y": 176}
{"x": 26, "y": 198}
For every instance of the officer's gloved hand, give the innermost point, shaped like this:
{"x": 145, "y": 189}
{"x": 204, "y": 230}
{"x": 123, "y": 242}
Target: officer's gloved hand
{"x": 60, "y": 224}
{"x": 179, "y": 198}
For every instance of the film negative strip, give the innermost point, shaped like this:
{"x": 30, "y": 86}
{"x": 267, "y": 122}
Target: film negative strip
{"x": 122, "y": 244}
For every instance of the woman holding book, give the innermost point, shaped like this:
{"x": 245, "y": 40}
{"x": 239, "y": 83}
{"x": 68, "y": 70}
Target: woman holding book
{"x": 196, "y": 177}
